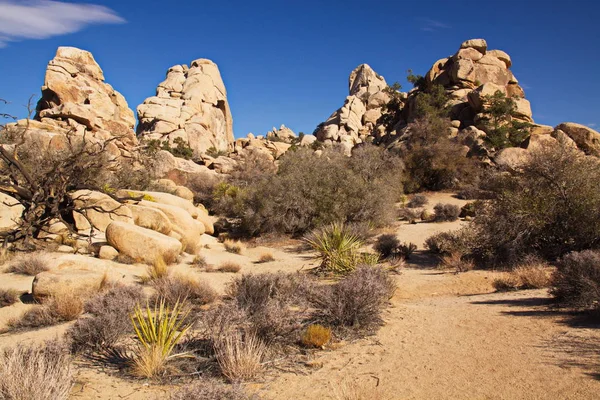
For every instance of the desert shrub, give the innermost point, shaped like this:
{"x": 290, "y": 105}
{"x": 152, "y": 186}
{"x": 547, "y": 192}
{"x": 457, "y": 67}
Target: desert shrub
{"x": 417, "y": 200}
{"x": 576, "y": 281}
{"x": 60, "y": 308}
{"x": 427, "y": 216}
{"x": 240, "y": 356}
{"x": 229, "y": 266}
{"x": 203, "y": 187}
{"x": 158, "y": 270}
{"x": 409, "y": 214}
{"x": 199, "y": 261}
{"x": 336, "y": 247}
{"x": 446, "y": 212}
{"x": 444, "y": 243}
{"x": 108, "y": 321}
{"x": 533, "y": 276}
{"x": 234, "y": 247}
{"x": 457, "y": 262}
{"x": 179, "y": 288}
{"x": 316, "y": 336}
{"x": 355, "y": 302}
{"x": 506, "y": 283}
{"x": 36, "y": 372}
{"x": 209, "y": 389}
{"x": 470, "y": 209}
{"x": 310, "y": 191}
{"x": 158, "y": 330}
{"x": 8, "y": 297}
{"x": 386, "y": 245}
{"x": 266, "y": 257}
{"x": 29, "y": 264}
{"x": 501, "y": 127}
{"x": 36, "y": 317}
{"x": 540, "y": 207}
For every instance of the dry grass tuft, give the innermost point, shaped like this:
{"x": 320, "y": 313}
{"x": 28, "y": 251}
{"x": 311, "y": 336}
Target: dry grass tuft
{"x": 234, "y": 247}
{"x": 199, "y": 261}
{"x": 178, "y": 288}
{"x": 40, "y": 373}
{"x": 316, "y": 336}
{"x": 156, "y": 271}
{"x": 356, "y": 391}
{"x": 455, "y": 261}
{"x": 266, "y": 257}
{"x": 230, "y": 266}
{"x": 240, "y": 357}
{"x": 8, "y": 297}
{"x": 29, "y": 264}
{"x": 210, "y": 389}
{"x": 62, "y": 308}
{"x": 534, "y": 275}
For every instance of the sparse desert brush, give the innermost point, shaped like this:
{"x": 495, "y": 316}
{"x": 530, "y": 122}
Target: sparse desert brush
{"x": 62, "y": 307}
{"x": 408, "y": 214}
{"x": 357, "y": 391}
{"x": 178, "y": 288}
{"x": 199, "y": 261}
{"x": 158, "y": 329}
{"x": 40, "y": 373}
{"x": 417, "y": 200}
{"x": 158, "y": 270}
{"x": 29, "y": 264}
{"x": 210, "y": 389}
{"x": 457, "y": 262}
{"x": 230, "y": 266}
{"x": 576, "y": 281}
{"x": 232, "y": 246}
{"x": 355, "y": 302}
{"x": 336, "y": 247}
{"x": 446, "y": 212}
{"x": 533, "y": 276}
{"x": 240, "y": 356}
{"x": 386, "y": 245}
{"x": 445, "y": 243}
{"x": 316, "y": 336}
{"x": 108, "y": 321}
{"x": 125, "y": 259}
{"x": 8, "y": 297}
{"x": 266, "y": 257}
{"x": 506, "y": 283}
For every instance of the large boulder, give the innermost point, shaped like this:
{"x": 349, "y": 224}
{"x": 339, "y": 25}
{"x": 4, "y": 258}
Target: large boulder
{"x": 142, "y": 244}
{"x": 586, "y": 138}
{"x": 163, "y": 198}
{"x": 100, "y": 210}
{"x": 190, "y": 104}
{"x": 151, "y": 218}
{"x": 10, "y": 212}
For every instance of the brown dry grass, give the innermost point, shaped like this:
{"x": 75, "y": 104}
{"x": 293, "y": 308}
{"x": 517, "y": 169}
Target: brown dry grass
{"x": 229, "y": 266}
{"x": 232, "y": 246}
{"x": 316, "y": 336}
{"x": 178, "y": 288}
{"x": 266, "y": 257}
{"x": 156, "y": 271}
{"x": 66, "y": 306}
{"x": 527, "y": 276}
{"x": 40, "y": 373}
{"x": 240, "y": 357}
{"x": 8, "y": 297}
{"x": 29, "y": 264}
{"x": 455, "y": 261}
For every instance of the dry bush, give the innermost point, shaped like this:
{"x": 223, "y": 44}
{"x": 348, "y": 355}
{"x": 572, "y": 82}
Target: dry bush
{"x": 386, "y": 245}
{"x": 240, "y": 356}
{"x": 232, "y": 246}
{"x": 316, "y": 336}
{"x": 36, "y": 317}
{"x": 199, "y": 261}
{"x": 445, "y": 243}
{"x": 266, "y": 257}
{"x": 576, "y": 281}
{"x": 417, "y": 200}
{"x": 230, "y": 266}
{"x": 446, "y": 212}
{"x": 210, "y": 389}
{"x": 357, "y": 391}
{"x": 8, "y": 297}
{"x": 506, "y": 283}
{"x": 203, "y": 187}
{"x": 29, "y": 264}
{"x": 533, "y": 276}
{"x": 178, "y": 288}
{"x": 109, "y": 319}
{"x": 40, "y": 373}
{"x": 409, "y": 214}
{"x": 156, "y": 271}
{"x": 125, "y": 259}
{"x": 456, "y": 262}
{"x": 61, "y": 308}
{"x": 356, "y": 301}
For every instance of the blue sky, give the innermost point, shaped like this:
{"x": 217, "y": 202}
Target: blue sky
{"x": 287, "y": 62}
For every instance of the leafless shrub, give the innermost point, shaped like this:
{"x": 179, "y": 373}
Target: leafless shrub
{"x": 234, "y": 247}
{"x": 40, "y": 373}
{"x": 63, "y": 307}
{"x": 8, "y": 297}
{"x": 199, "y": 261}
{"x": 409, "y": 214}
{"x": 576, "y": 281}
{"x": 210, "y": 389}
{"x": 29, "y": 264}
{"x": 446, "y": 212}
{"x": 445, "y": 243}
{"x": 177, "y": 288}
{"x": 230, "y": 266}
{"x": 457, "y": 262}
{"x": 417, "y": 200}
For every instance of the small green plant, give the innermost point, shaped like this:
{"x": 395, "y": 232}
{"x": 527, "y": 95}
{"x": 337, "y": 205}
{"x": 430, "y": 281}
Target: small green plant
{"x": 158, "y": 330}
{"x": 214, "y": 153}
{"x": 501, "y": 127}
{"x": 337, "y": 248}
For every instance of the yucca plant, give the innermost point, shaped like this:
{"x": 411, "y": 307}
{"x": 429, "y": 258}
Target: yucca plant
{"x": 337, "y": 248}
{"x": 158, "y": 329}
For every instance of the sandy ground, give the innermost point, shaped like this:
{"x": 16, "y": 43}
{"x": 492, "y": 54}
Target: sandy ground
{"x": 446, "y": 336}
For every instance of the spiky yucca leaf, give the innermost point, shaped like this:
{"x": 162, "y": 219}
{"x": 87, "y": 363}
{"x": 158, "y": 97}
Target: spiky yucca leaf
{"x": 337, "y": 248}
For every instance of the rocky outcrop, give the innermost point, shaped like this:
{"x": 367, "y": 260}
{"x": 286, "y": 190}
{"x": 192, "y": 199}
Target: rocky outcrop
{"x": 191, "y": 104}
{"x": 283, "y": 134}
{"x": 10, "y": 212}
{"x": 587, "y": 139}
{"x": 98, "y": 209}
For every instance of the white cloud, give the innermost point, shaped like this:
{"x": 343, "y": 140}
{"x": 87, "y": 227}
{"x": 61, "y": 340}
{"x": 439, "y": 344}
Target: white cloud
{"x": 592, "y": 125}
{"x": 431, "y": 25}
{"x": 41, "y": 19}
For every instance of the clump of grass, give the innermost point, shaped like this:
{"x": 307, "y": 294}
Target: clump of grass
{"x": 232, "y": 246}
{"x": 125, "y": 259}
{"x": 199, "y": 261}
{"x": 336, "y": 247}
{"x": 266, "y": 257}
{"x": 59, "y": 308}
{"x": 40, "y": 373}
{"x": 29, "y": 264}
{"x": 457, "y": 262}
{"x": 156, "y": 271}
{"x": 8, "y": 297}
{"x": 177, "y": 288}
{"x": 529, "y": 275}
{"x": 240, "y": 356}
{"x": 210, "y": 389}
{"x": 229, "y": 266}
{"x": 316, "y": 336}
{"x": 158, "y": 329}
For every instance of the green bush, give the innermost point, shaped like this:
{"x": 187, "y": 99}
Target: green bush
{"x": 337, "y": 248}
{"x": 502, "y": 130}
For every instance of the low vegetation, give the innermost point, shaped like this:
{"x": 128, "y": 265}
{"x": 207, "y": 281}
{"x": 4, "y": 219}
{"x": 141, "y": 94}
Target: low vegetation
{"x": 8, "y": 297}
{"x": 229, "y": 266}
{"x": 29, "y": 264}
{"x": 210, "y": 389}
{"x": 446, "y": 212}
{"x": 316, "y": 336}
{"x": 183, "y": 288}
{"x": 266, "y": 257}
{"x": 576, "y": 281}
{"x": 63, "y": 307}
{"x": 240, "y": 356}
{"x": 389, "y": 247}
{"x": 234, "y": 247}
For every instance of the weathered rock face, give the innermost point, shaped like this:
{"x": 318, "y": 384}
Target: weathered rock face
{"x": 190, "y": 104}
{"x": 283, "y": 134}
{"x": 76, "y": 99}
{"x": 587, "y": 139}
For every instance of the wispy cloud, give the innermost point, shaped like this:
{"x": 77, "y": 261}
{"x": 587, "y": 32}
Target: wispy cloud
{"x": 432, "y": 25}
{"x": 41, "y": 19}
{"x": 592, "y": 125}
{"x": 524, "y": 86}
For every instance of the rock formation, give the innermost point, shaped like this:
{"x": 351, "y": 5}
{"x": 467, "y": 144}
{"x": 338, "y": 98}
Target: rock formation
{"x": 191, "y": 104}
{"x": 76, "y": 99}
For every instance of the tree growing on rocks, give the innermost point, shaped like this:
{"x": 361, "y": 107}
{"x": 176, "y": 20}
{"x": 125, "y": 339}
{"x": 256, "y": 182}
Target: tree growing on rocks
{"x": 502, "y": 129}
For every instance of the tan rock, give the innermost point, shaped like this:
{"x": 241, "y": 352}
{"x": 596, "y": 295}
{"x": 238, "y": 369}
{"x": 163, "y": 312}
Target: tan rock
{"x": 100, "y": 210}
{"x": 476, "y": 97}
{"x": 206, "y": 220}
{"x": 163, "y": 198}
{"x": 150, "y": 218}
{"x": 10, "y": 212}
{"x": 142, "y": 244}
{"x": 184, "y": 193}
{"x": 501, "y": 55}
{"x": 469, "y": 53}
{"x": 586, "y": 138}
{"x": 477, "y": 44}
{"x": 56, "y": 282}
{"x": 107, "y": 253}
{"x": 511, "y": 157}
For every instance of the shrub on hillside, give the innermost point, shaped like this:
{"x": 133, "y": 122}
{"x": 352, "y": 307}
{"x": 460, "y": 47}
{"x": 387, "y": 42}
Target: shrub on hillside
{"x": 29, "y": 264}
{"x": 417, "y": 200}
{"x": 445, "y": 243}
{"x": 178, "y": 288}
{"x": 446, "y": 212}
{"x": 576, "y": 281}
{"x": 8, "y": 297}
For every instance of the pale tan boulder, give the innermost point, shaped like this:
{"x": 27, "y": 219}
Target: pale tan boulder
{"x": 585, "y": 137}
{"x": 100, "y": 210}
{"x": 163, "y": 198}
{"x": 502, "y": 56}
{"x": 477, "y": 44}
{"x": 469, "y": 53}
{"x": 477, "y": 96}
{"x": 56, "y": 282}
{"x": 142, "y": 244}
{"x": 307, "y": 140}
{"x": 150, "y": 218}
{"x": 511, "y": 157}
{"x": 10, "y": 212}
{"x": 283, "y": 134}
{"x": 206, "y": 220}
{"x": 107, "y": 253}
{"x": 184, "y": 193}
